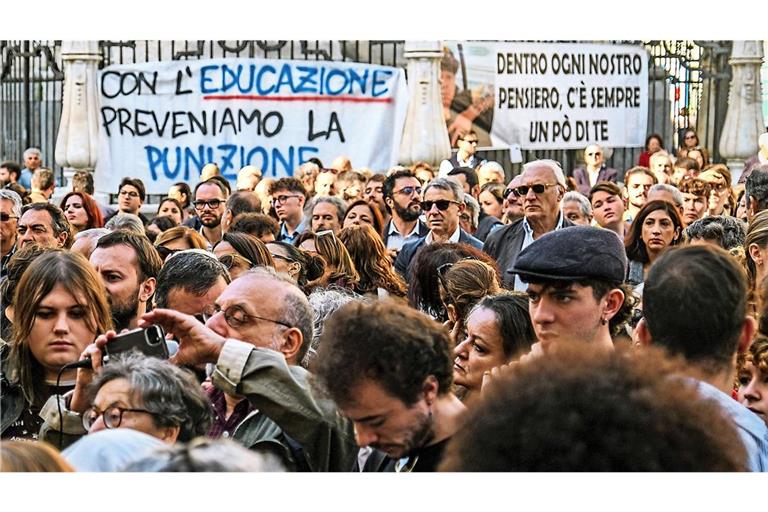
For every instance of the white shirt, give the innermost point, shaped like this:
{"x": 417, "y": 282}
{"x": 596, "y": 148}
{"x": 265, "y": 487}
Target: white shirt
{"x": 520, "y": 286}
{"x": 395, "y": 240}
{"x": 454, "y": 238}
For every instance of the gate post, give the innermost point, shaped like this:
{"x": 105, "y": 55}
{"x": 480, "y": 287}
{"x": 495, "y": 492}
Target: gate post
{"x": 425, "y": 136}
{"x": 744, "y": 120}
{"x": 78, "y": 138}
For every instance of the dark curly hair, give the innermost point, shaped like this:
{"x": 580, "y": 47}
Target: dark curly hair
{"x": 582, "y": 409}
{"x": 384, "y": 341}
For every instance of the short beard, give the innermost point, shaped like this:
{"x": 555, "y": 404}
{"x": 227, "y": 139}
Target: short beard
{"x": 123, "y": 314}
{"x": 407, "y": 214}
{"x": 211, "y": 224}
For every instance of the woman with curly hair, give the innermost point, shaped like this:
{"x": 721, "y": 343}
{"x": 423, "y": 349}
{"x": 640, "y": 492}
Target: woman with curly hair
{"x": 462, "y": 285}
{"x": 369, "y": 255}
{"x": 753, "y": 378}
{"x": 339, "y": 269}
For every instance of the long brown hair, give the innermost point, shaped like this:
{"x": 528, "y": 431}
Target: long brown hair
{"x": 75, "y": 273}
{"x": 334, "y": 254}
{"x": 369, "y": 255}
{"x": 464, "y": 283}
{"x": 95, "y": 219}
{"x": 634, "y": 244}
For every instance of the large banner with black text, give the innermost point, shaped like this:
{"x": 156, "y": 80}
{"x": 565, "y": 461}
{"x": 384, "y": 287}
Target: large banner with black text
{"x": 546, "y": 95}
{"x": 163, "y": 121}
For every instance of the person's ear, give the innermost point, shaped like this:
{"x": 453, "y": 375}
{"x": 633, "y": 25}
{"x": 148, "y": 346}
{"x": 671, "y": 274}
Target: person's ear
{"x": 62, "y": 238}
{"x": 170, "y": 434}
{"x": 9, "y": 313}
{"x": 147, "y": 289}
{"x": 430, "y": 389}
{"x": 754, "y": 253}
{"x": 451, "y": 310}
{"x": 462, "y": 206}
{"x": 613, "y": 302}
{"x": 291, "y": 345}
{"x": 748, "y": 330}
{"x": 642, "y": 335}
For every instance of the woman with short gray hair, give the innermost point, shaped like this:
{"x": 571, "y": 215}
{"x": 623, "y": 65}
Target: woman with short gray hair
{"x": 149, "y": 395}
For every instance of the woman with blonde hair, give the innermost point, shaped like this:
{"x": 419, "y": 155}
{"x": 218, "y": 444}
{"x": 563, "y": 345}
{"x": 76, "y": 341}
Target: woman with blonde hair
{"x": 756, "y": 248}
{"x": 178, "y": 239}
{"x": 59, "y": 307}
{"x": 369, "y": 256}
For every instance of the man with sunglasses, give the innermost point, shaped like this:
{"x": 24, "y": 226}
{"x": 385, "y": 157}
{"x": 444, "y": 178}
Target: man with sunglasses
{"x": 10, "y": 211}
{"x": 542, "y": 186}
{"x": 209, "y": 203}
{"x": 288, "y": 198}
{"x": 402, "y": 196}
{"x": 443, "y": 203}
{"x": 593, "y": 171}
{"x": 256, "y": 334}
{"x": 464, "y": 157}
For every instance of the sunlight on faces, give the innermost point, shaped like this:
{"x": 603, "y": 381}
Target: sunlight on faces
{"x": 117, "y": 267}
{"x": 607, "y": 208}
{"x": 360, "y": 214}
{"x": 572, "y": 212}
{"x": 753, "y": 390}
{"x": 638, "y": 186}
{"x": 325, "y": 217}
{"x": 490, "y": 205}
{"x": 168, "y": 209}
{"x": 36, "y": 226}
{"x": 658, "y": 231}
{"x": 129, "y": 200}
{"x": 75, "y": 212}
{"x": 443, "y": 223}
{"x": 481, "y": 351}
{"x": 545, "y": 205}
{"x": 694, "y": 207}
{"x": 563, "y": 315}
{"x": 210, "y": 217}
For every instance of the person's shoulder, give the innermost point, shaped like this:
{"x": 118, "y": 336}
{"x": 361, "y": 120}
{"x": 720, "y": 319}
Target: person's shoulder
{"x": 466, "y": 238}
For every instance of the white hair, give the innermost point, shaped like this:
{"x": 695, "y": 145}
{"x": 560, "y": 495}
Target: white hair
{"x": 32, "y": 151}
{"x": 663, "y": 187}
{"x": 493, "y": 167}
{"x": 577, "y": 197}
{"x": 552, "y": 165}
{"x": 10, "y": 195}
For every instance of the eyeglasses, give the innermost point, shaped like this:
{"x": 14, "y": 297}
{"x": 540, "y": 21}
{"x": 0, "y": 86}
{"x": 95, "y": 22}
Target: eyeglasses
{"x": 164, "y": 252}
{"x": 538, "y": 188}
{"x": 442, "y": 204}
{"x": 129, "y": 193}
{"x": 328, "y": 169}
{"x": 408, "y": 191}
{"x": 282, "y": 199}
{"x": 212, "y": 204}
{"x": 284, "y": 258}
{"x": 235, "y": 260}
{"x": 236, "y": 317}
{"x": 5, "y": 217}
{"x": 473, "y": 141}
{"x": 594, "y": 154}
{"x": 508, "y": 192}
{"x": 445, "y": 267}
{"x": 689, "y": 137}
{"x": 112, "y": 416}
{"x": 719, "y": 187}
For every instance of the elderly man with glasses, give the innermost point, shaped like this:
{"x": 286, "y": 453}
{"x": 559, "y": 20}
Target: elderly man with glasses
{"x": 541, "y": 188}
{"x": 256, "y": 333}
{"x": 594, "y": 170}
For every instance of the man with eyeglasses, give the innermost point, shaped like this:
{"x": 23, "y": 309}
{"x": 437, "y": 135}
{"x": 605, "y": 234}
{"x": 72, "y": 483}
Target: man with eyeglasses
{"x": 464, "y": 157}
{"x": 402, "y": 196}
{"x": 288, "y": 198}
{"x": 593, "y": 171}
{"x": 256, "y": 334}
{"x": 542, "y": 186}
{"x": 443, "y": 203}
{"x": 130, "y": 197}
{"x": 10, "y": 211}
{"x": 210, "y": 204}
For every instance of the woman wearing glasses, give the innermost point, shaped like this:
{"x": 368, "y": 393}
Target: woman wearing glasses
{"x": 59, "y": 308}
{"x": 722, "y": 200}
{"x": 300, "y": 266}
{"x": 339, "y": 269}
{"x": 178, "y": 239}
{"x": 691, "y": 144}
{"x": 240, "y": 252}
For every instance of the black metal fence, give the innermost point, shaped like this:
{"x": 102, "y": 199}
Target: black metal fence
{"x": 688, "y": 86}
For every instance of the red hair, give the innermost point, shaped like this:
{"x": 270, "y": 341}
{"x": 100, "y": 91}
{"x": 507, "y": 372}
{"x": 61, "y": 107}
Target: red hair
{"x": 95, "y": 219}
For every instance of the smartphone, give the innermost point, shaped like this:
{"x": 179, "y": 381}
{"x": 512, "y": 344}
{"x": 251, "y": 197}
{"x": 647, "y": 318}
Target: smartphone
{"x": 149, "y": 341}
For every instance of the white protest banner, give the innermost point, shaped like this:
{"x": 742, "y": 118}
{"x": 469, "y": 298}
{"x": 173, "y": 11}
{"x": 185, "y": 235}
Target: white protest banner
{"x": 163, "y": 121}
{"x": 556, "y": 95}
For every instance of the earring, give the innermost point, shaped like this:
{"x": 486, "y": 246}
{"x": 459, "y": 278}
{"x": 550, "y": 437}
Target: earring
{"x": 603, "y": 321}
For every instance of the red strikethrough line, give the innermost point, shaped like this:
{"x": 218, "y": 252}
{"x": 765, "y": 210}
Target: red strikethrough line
{"x": 349, "y": 99}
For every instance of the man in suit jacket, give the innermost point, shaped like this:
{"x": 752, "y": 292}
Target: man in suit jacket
{"x": 443, "y": 203}
{"x": 594, "y": 170}
{"x": 542, "y": 214}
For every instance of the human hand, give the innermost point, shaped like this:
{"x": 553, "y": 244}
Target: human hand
{"x": 94, "y": 351}
{"x": 197, "y": 343}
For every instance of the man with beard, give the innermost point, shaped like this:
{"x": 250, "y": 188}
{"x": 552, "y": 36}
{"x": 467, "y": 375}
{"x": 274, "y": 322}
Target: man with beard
{"x": 388, "y": 369}
{"x": 374, "y": 194}
{"x": 402, "y": 196}
{"x": 443, "y": 204}
{"x": 128, "y": 265}
{"x": 210, "y": 199}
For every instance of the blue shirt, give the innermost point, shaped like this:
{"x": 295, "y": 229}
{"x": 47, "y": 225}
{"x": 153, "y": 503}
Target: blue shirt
{"x": 285, "y": 236}
{"x": 751, "y": 429}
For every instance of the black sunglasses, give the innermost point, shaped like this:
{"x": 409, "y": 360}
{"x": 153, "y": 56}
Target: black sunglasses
{"x": 538, "y": 188}
{"x": 212, "y": 204}
{"x": 442, "y": 204}
{"x": 508, "y": 192}
{"x": 5, "y": 217}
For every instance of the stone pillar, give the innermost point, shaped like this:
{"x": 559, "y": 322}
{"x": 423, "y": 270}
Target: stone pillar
{"x": 78, "y": 138}
{"x": 425, "y": 136}
{"x": 744, "y": 120}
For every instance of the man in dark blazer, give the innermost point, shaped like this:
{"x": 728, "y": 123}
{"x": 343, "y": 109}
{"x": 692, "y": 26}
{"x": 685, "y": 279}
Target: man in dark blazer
{"x": 541, "y": 209}
{"x": 594, "y": 169}
{"x": 443, "y": 203}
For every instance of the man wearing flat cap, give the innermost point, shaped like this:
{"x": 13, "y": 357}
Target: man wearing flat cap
{"x": 575, "y": 286}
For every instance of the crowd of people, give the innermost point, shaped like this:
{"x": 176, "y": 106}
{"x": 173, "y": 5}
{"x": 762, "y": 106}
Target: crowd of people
{"x": 417, "y": 319}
